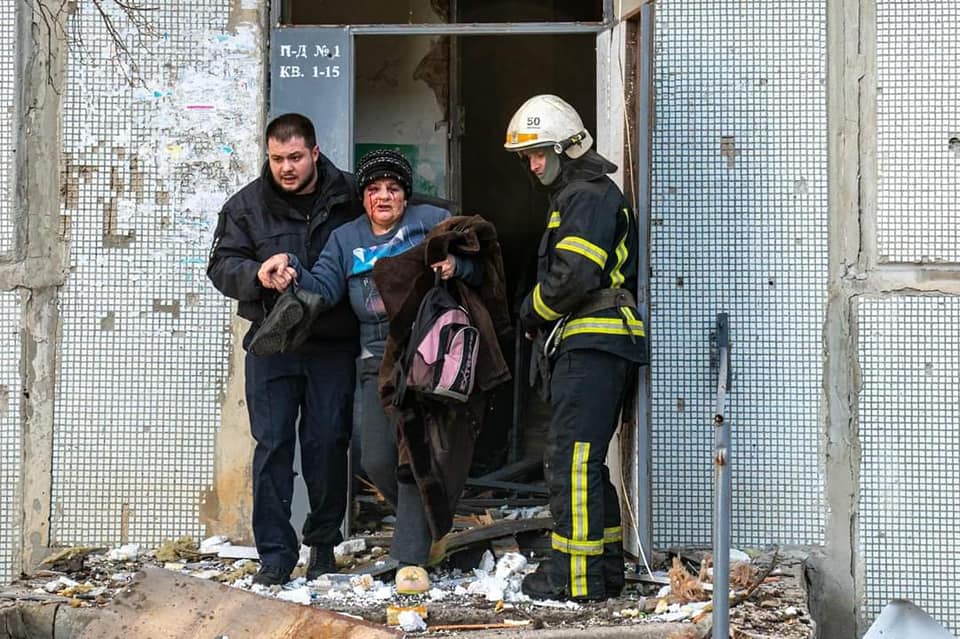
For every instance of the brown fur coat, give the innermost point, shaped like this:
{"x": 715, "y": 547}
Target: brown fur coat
{"x": 436, "y": 440}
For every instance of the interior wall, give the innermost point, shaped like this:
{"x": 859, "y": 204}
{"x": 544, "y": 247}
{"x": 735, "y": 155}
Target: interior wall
{"x": 401, "y": 89}
{"x": 367, "y": 12}
{"x": 428, "y": 11}
{"x": 529, "y": 10}
{"x": 494, "y": 182}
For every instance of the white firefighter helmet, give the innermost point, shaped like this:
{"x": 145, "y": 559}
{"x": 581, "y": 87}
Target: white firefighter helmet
{"x": 547, "y": 120}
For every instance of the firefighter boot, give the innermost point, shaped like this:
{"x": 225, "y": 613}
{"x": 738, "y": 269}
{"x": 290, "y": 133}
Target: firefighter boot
{"x": 545, "y": 582}
{"x": 613, "y": 579}
{"x": 550, "y": 581}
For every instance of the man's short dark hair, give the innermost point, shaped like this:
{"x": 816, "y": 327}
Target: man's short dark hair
{"x": 292, "y": 125}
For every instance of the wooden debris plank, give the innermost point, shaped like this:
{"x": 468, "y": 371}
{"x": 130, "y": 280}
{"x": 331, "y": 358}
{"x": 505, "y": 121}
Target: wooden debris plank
{"x": 463, "y": 539}
{"x": 515, "y": 470}
{"x": 531, "y": 489}
{"x": 159, "y": 604}
{"x": 503, "y": 501}
{"x": 502, "y": 528}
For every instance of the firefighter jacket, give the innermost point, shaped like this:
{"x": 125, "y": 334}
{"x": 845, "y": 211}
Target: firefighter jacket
{"x": 590, "y": 244}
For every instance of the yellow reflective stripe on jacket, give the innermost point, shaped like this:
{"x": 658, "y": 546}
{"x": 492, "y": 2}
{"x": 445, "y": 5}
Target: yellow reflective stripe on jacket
{"x": 604, "y": 326}
{"x": 622, "y": 252}
{"x": 612, "y": 535}
{"x": 582, "y": 247}
{"x": 573, "y": 547}
{"x": 541, "y": 308}
{"x": 554, "y": 221}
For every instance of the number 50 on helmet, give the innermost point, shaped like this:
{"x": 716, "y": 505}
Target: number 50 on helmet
{"x": 548, "y": 121}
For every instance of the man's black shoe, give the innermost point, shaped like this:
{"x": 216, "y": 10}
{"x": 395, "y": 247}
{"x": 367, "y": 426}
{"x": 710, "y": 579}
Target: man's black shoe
{"x": 272, "y": 336}
{"x": 322, "y": 562}
{"x": 270, "y": 576}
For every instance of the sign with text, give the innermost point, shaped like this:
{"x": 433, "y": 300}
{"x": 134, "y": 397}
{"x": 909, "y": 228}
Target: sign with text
{"x": 311, "y": 73}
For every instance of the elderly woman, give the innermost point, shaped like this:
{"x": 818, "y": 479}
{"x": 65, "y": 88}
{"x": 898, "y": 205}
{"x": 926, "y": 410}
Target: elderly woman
{"x": 391, "y": 226}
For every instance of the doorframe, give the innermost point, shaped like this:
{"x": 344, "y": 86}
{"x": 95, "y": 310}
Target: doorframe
{"x": 639, "y": 489}
{"x": 280, "y": 8}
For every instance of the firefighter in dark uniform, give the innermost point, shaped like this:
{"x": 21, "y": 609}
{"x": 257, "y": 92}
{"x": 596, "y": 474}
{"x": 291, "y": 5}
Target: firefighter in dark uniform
{"x": 583, "y": 318}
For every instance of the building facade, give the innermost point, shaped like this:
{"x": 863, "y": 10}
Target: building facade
{"x": 795, "y": 164}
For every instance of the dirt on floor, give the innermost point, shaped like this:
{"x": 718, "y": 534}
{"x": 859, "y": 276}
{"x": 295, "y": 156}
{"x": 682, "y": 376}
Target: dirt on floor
{"x": 474, "y": 592}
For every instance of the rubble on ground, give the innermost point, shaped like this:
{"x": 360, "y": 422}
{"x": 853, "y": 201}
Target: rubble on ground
{"x": 477, "y": 587}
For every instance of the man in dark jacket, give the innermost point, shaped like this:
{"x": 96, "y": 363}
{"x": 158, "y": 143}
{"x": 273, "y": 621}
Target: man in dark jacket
{"x": 590, "y": 340}
{"x": 292, "y": 207}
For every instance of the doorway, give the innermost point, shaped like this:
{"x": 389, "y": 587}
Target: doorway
{"x": 495, "y": 184}
{"x": 445, "y": 100}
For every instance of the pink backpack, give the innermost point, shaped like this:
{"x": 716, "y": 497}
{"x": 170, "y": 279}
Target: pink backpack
{"x": 439, "y": 359}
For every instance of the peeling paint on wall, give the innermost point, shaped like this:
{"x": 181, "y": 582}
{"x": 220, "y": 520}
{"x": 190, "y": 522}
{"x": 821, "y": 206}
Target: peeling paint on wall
{"x": 401, "y": 100}
{"x": 146, "y": 339}
{"x": 434, "y": 71}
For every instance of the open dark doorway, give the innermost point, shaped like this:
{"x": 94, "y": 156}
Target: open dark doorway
{"x": 497, "y": 74}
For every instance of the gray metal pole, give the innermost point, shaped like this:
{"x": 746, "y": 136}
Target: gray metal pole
{"x": 722, "y": 484}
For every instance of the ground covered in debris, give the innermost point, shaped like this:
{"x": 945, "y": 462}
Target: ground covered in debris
{"x": 475, "y": 589}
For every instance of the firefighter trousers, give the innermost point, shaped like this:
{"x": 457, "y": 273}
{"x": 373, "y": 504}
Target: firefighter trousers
{"x": 587, "y": 389}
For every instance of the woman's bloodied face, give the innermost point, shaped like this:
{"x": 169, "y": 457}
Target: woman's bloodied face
{"x": 384, "y": 201}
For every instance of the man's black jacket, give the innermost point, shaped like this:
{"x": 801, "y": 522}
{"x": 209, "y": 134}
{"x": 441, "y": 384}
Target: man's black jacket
{"x": 258, "y": 222}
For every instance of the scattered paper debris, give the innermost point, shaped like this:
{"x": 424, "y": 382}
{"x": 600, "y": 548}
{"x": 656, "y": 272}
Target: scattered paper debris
{"x": 394, "y": 613}
{"x": 211, "y": 545}
{"x": 902, "y": 619}
{"x": 59, "y": 584}
{"x": 349, "y": 547}
{"x": 127, "y": 552}
{"x": 410, "y": 621}
{"x": 238, "y": 552}
{"x": 300, "y": 595}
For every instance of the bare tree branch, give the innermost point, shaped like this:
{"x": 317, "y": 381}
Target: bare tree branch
{"x": 114, "y": 15}
{"x": 53, "y": 28}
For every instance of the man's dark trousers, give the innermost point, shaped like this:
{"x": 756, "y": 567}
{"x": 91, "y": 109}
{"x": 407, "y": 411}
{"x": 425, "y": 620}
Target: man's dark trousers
{"x": 319, "y": 389}
{"x": 587, "y": 389}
